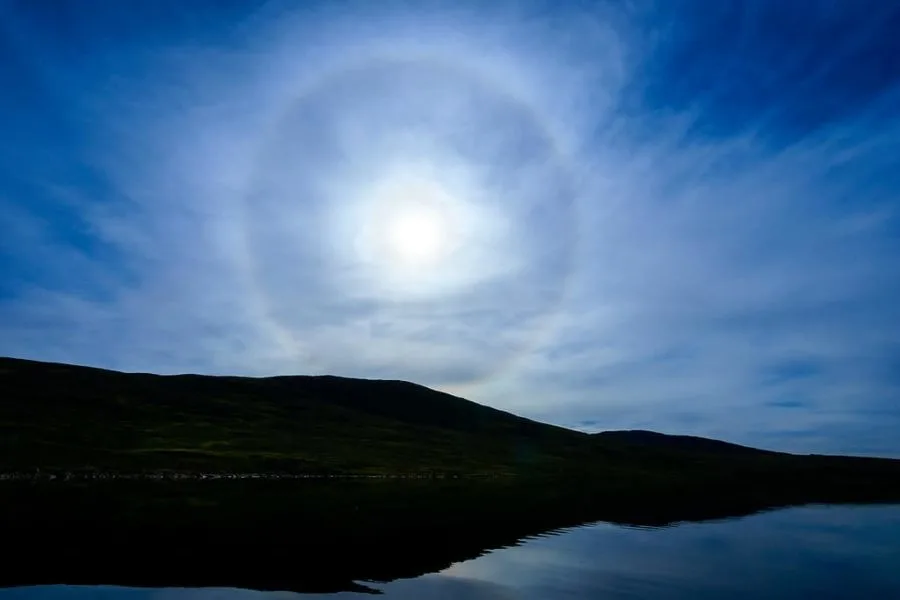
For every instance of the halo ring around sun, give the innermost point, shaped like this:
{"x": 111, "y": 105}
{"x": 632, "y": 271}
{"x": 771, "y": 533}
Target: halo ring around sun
{"x": 417, "y": 240}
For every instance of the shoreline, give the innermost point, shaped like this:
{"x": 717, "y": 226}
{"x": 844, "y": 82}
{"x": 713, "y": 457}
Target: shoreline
{"x": 73, "y": 476}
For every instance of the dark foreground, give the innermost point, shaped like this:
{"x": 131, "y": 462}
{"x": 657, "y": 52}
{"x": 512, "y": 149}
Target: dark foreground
{"x": 318, "y": 483}
{"x": 72, "y": 422}
{"x": 836, "y": 552}
{"x": 307, "y": 536}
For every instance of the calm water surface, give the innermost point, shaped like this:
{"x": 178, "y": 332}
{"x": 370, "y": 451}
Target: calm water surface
{"x": 809, "y": 552}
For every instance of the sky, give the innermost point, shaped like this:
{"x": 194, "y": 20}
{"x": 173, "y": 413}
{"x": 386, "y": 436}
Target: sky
{"x": 681, "y": 216}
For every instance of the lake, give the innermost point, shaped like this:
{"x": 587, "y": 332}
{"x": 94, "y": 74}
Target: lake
{"x": 822, "y": 552}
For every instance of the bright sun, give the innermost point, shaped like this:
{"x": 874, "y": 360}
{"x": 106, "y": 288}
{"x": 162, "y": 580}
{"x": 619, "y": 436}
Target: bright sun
{"x": 416, "y": 235}
{"x": 413, "y": 223}
{"x": 413, "y": 231}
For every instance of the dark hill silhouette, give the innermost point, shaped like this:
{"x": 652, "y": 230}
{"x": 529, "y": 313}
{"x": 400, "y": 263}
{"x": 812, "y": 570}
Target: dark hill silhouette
{"x": 65, "y": 416}
{"x": 75, "y": 426}
{"x": 58, "y": 417}
{"x": 687, "y": 443}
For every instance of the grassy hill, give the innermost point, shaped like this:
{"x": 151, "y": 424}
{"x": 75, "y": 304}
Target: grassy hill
{"x": 63, "y": 417}
{"x": 56, "y": 417}
{"x": 688, "y": 443}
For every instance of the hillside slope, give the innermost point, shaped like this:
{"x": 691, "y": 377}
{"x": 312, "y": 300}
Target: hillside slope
{"x": 65, "y": 417}
{"x": 682, "y": 443}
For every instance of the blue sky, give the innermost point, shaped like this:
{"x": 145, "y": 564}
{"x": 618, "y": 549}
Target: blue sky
{"x": 680, "y": 216}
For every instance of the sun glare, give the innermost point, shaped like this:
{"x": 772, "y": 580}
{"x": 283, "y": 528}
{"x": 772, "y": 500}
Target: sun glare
{"x": 416, "y": 236}
{"x": 413, "y": 223}
{"x": 414, "y": 232}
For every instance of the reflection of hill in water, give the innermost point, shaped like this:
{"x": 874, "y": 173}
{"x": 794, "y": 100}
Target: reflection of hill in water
{"x": 302, "y": 536}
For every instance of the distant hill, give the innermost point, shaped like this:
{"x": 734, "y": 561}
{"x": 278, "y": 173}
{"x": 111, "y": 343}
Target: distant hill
{"x": 688, "y": 443}
{"x": 66, "y": 417}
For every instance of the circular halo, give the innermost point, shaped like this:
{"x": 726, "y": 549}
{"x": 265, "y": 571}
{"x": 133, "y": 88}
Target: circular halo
{"x": 284, "y": 240}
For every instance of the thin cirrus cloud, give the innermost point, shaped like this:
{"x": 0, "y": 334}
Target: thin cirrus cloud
{"x": 656, "y": 215}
